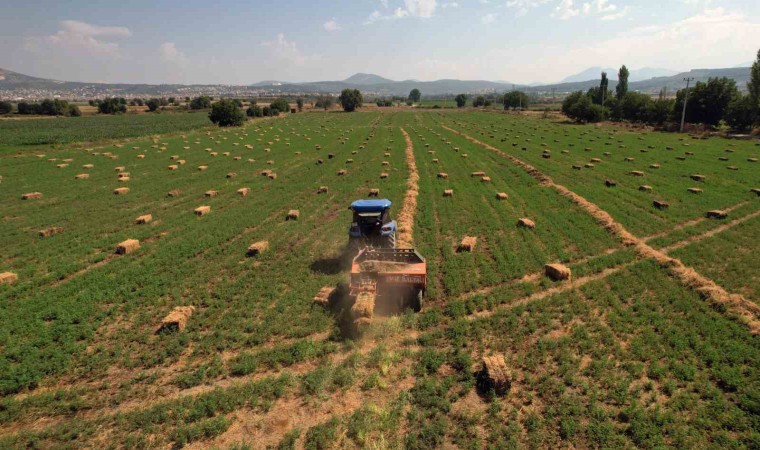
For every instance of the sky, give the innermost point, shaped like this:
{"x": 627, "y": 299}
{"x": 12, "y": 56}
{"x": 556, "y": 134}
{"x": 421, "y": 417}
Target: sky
{"x": 243, "y": 42}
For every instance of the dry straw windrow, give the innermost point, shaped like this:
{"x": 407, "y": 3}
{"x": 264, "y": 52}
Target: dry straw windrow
{"x": 746, "y": 311}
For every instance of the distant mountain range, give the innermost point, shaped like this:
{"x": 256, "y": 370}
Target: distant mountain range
{"x": 649, "y": 80}
{"x": 635, "y": 75}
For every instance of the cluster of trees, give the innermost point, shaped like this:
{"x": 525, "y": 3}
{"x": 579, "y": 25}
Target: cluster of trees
{"x": 461, "y": 100}
{"x": 515, "y": 99}
{"x": 201, "y": 102}
{"x": 47, "y": 107}
{"x": 324, "y": 101}
{"x": 715, "y": 102}
{"x": 113, "y": 105}
{"x": 384, "y": 102}
{"x": 226, "y": 113}
{"x": 350, "y": 99}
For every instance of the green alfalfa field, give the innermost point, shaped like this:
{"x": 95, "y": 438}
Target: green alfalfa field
{"x": 652, "y": 343}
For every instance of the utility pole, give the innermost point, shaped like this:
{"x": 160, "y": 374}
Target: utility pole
{"x": 685, "y": 99}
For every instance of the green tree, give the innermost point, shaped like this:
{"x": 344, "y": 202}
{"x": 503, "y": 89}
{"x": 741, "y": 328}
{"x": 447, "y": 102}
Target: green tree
{"x": 709, "y": 101}
{"x": 461, "y": 100}
{"x": 633, "y": 107}
{"x": 580, "y": 108}
{"x": 324, "y": 102}
{"x": 114, "y": 105}
{"x": 515, "y": 99}
{"x": 55, "y": 107}
{"x": 299, "y": 104}
{"x": 754, "y": 86}
{"x": 153, "y": 104}
{"x": 226, "y": 113}
{"x": 415, "y": 95}
{"x": 350, "y": 99}
{"x": 479, "y": 101}
{"x": 622, "y": 87}
{"x": 741, "y": 113}
{"x": 6, "y": 107}
{"x": 74, "y": 111}
{"x": 202, "y": 102}
{"x": 281, "y": 105}
{"x": 254, "y": 111}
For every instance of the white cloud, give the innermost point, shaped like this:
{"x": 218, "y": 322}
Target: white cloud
{"x": 412, "y": 8}
{"x": 331, "y": 25}
{"x": 287, "y": 51}
{"x": 523, "y": 6}
{"x": 618, "y": 15}
{"x": 565, "y": 10}
{"x": 421, "y": 8}
{"x": 81, "y": 37}
{"x": 170, "y": 53}
{"x": 488, "y": 18}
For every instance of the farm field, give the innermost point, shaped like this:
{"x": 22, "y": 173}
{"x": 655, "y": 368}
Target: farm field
{"x": 652, "y": 343}
{"x": 57, "y": 131}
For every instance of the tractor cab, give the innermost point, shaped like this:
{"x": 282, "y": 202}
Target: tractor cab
{"x": 372, "y": 225}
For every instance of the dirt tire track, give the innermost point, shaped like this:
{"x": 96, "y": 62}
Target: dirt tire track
{"x": 746, "y": 311}
{"x": 710, "y": 233}
{"x": 408, "y": 209}
{"x": 563, "y": 287}
{"x": 689, "y": 223}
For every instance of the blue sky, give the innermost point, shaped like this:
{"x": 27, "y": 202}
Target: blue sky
{"x": 241, "y": 42}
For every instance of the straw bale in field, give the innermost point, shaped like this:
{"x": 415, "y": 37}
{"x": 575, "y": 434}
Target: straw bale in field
{"x": 50, "y": 231}
{"x": 202, "y": 167}
{"x": 121, "y": 191}
{"x": 323, "y": 296}
{"x": 485, "y": 179}
{"x": 468, "y": 244}
{"x": 443, "y": 175}
{"x": 732, "y": 168}
{"x": 82, "y": 176}
{"x": 177, "y": 319}
{"x": 88, "y": 166}
{"x": 495, "y": 375}
{"x": 478, "y": 174}
{"x": 293, "y": 214}
{"x": 257, "y": 248}
{"x": 716, "y": 214}
{"x": 244, "y": 191}
{"x": 448, "y": 192}
{"x": 127, "y": 247}
{"x": 119, "y": 169}
{"x": 557, "y": 272}
{"x": 695, "y": 190}
{"x": 577, "y": 167}
{"x": 697, "y": 177}
{"x": 174, "y": 193}
{"x": 384, "y": 175}
{"x": 526, "y": 223}
{"x": 756, "y": 191}
{"x": 364, "y": 306}
{"x": 202, "y": 210}
{"x": 231, "y": 175}
{"x": 660, "y": 204}
{"x": 62, "y": 166}
{"x": 374, "y": 192}
{"x": 637, "y": 173}
{"x": 173, "y": 167}
{"x": 322, "y": 190}
{"x": 147, "y": 218}
{"x": 645, "y": 188}
{"x": 501, "y": 196}
{"x": 272, "y": 176}
{"x": 342, "y": 172}
{"x": 610, "y": 183}
{"x": 8, "y": 278}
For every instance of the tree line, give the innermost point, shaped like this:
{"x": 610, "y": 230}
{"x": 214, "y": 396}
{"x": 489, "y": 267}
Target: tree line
{"x": 715, "y": 102}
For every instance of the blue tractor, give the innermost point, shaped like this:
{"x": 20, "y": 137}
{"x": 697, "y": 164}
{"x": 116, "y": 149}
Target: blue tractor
{"x": 372, "y": 225}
